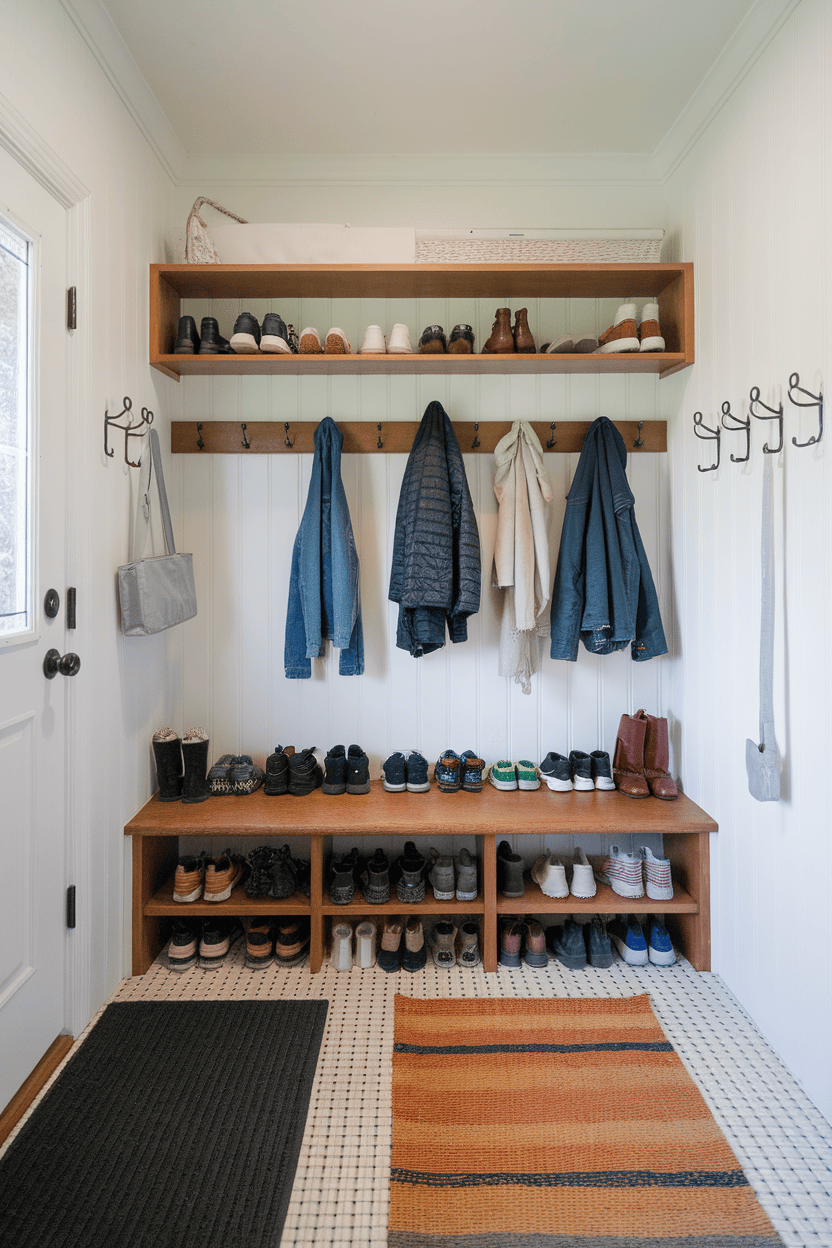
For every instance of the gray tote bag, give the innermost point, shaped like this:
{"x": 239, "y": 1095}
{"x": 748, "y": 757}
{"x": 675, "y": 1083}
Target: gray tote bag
{"x": 158, "y": 592}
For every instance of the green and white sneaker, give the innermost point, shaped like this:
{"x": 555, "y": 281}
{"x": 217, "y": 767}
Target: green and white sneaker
{"x": 527, "y": 777}
{"x": 503, "y": 775}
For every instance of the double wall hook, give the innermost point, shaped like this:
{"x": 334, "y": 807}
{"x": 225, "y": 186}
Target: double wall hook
{"x": 199, "y": 441}
{"x": 639, "y": 440}
{"x": 286, "y": 441}
{"x": 550, "y": 441}
{"x": 816, "y": 401}
{"x": 129, "y": 430}
{"x": 709, "y": 436}
{"x": 246, "y": 442}
{"x": 738, "y": 424}
{"x": 776, "y": 414}
{"x": 476, "y": 441}
{"x": 379, "y": 443}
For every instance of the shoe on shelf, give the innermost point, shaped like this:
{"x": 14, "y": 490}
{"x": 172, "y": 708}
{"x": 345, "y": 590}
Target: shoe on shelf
{"x": 586, "y": 346}
{"x": 245, "y": 339}
{"x": 218, "y": 776}
{"x": 187, "y": 338}
{"x": 336, "y": 342}
{"x": 375, "y": 880}
{"x": 341, "y": 956}
{"x": 501, "y": 339}
{"x": 223, "y": 874}
{"x": 628, "y": 760}
{"x": 600, "y": 946}
{"x": 471, "y": 768}
{"x": 461, "y": 340}
{"x": 523, "y": 337}
{"x": 310, "y": 342}
{"x": 433, "y": 341}
{"x": 358, "y": 770}
{"x": 557, "y": 773}
{"x": 414, "y": 953}
{"x": 335, "y": 771}
{"x": 535, "y": 952}
{"x": 622, "y": 872}
{"x": 217, "y": 938}
{"x": 189, "y": 878}
{"x": 410, "y": 887}
{"x": 184, "y": 944}
{"x": 244, "y": 775}
{"x": 292, "y": 338}
{"x": 583, "y": 878}
{"x": 511, "y": 942}
{"x": 649, "y": 334}
{"x": 581, "y": 766}
{"x": 569, "y": 947}
{"x": 274, "y": 336}
{"x": 467, "y": 947}
{"x": 285, "y": 874}
{"x": 399, "y": 341}
{"x": 394, "y": 773}
{"x": 448, "y": 772}
{"x": 389, "y": 956}
{"x": 628, "y": 938}
{"x": 550, "y": 874}
{"x": 503, "y": 774}
{"x": 527, "y": 777}
{"x": 305, "y": 772}
{"x": 417, "y": 772}
{"x": 657, "y": 876}
{"x": 443, "y": 942}
{"x": 601, "y": 770}
{"x": 509, "y": 871}
{"x": 373, "y": 342}
{"x": 365, "y": 944}
{"x": 564, "y": 345}
{"x": 622, "y": 335}
{"x": 259, "y": 942}
{"x": 657, "y": 757}
{"x": 291, "y": 941}
{"x": 343, "y": 869}
{"x": 466, "y": 876}
{"x": 211, "y": 341}
{"x": 259, "y": 875}
{"x": 441, "y": 876}
{"x": 167, "y": 754}
{"x": 277, "y": 771}
{"x": 660, "y": 948}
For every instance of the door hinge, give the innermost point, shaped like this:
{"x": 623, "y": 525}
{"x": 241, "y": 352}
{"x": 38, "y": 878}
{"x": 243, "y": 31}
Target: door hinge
{"x": 71, "y": 308}
{"x": 70, "y": 607}
{"x": 70, "y": 906}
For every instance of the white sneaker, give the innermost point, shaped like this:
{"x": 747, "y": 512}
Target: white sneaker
{"x": 650, "y": 337}
{"x": 342, "y": 946}
{"x": 623, "y": 333}
{"x": 551, "y": 876}
{"x": 564, "y": 345}
{"x": 583, "y": 879}
{"x": 622, "y": 872}
{"x": 657, "y": 875}
{"x": 337, "y": 343}
{"x": 374, "y": 342}
{"x": 310, "y": 342}
{"x": 399, "y": 343}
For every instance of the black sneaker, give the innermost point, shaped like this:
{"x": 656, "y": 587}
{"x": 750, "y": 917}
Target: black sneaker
{"x": 335, "y": 771}
{"x": 259, "y": 879}
{"x": 187, "y": 339}
{"x": 305, "y": 773}
{"x": 277, "y": 773}
{"x": 394, "y": 773}
{"x": 581, "y": 767}
{"x": 358, "y": 770}
{"x": 184, "y": 942}
{"x": 291, "y": 943}
{"x": 216, "y": 941}
{"x": 246, "y": 337}
{"x": 274, "y": 337}
{"x": 211, "y": 341}
{"x": 375, "y": 880}
{"x": 342, "y": 878}
{"x": 259, "y": 943}
{"x": 411, "y": 885}
{"x": 284, "y": 874}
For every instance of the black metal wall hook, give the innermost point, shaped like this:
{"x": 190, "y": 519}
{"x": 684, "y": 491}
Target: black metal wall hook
{"x": 476, "y": 441}
{"x": 816, "y": 401}
{"x": 776, "y": 414}
{"x": 286, "y": 440}
{"x": 129, "y": 430}
{"x": 639, "y": 440}
{"x": 550, "y": 441}
{"x": 246, "y": 442}
{"x": 738, "y": 425}
{"x": 710, "y": 436}
{"x": 199, "y": 441}
{"x": 379, "y": 443}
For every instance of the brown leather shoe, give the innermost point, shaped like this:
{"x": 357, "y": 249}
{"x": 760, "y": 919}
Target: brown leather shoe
{"x": 628, "y": 763}
{"x": 657, "y": 757}
{"x": 523, "y": 339}
{"x": 502, "y": 339}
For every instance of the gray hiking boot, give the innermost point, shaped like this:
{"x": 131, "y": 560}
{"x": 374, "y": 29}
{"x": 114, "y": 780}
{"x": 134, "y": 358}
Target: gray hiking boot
{"x": 375, "y": 881}
{"x": 600, "y": 945}
{"x": 466, "y": 876}
{"x": 442, "y": 943}
{"x": 442, "y": 876}
{"x": 569, "y": 947}
{"x": 468, "y": 945}
{"x": 411, "y": 887}
{"x": 509, "y": 871}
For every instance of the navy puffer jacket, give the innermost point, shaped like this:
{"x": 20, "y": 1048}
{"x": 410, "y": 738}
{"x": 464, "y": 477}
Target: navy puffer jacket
{"x": 436, "y": 548}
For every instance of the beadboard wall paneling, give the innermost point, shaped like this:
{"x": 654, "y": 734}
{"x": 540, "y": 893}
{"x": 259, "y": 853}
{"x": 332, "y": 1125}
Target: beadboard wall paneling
{"x": 750, "y": 206}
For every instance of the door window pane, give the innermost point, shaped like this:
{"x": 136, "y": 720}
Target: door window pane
{"x": 15, "y": 556}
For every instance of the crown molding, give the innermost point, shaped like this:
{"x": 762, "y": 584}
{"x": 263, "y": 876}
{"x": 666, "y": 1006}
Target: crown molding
{"x": 746, "y": 45}
{"x": 102, "y": 37}
{"x": 24, "y": 143}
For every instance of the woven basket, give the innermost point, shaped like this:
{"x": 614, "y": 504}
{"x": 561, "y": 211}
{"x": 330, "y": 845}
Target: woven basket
{"x": 199, "y": 247}
{"x": 538, "y": 250}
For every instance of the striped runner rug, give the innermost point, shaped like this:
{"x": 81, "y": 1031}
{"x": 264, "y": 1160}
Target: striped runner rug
{"x": 556, "y": 1124}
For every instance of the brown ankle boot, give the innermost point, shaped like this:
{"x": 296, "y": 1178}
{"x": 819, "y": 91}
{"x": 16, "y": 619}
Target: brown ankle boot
{"x": 628, "y": 763}
{"x": 657, "y": 757}
{"x": 502, "y": 339}
{"x": 523, "y": 340}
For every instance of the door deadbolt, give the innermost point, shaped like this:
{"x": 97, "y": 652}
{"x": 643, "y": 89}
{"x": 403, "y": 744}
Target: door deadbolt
{"x": 69, "y": 665}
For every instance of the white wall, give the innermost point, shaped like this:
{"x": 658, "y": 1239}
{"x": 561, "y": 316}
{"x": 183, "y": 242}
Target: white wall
{"x": 131, "y": 687}
{"x": 750, "y": 206}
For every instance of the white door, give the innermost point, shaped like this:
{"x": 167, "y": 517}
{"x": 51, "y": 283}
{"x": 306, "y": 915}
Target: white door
{"x": 34, "y": 539}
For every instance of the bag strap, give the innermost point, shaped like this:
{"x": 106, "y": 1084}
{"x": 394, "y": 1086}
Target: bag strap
{"x": 766, "y": 614}
{"x": 151, "y": 460}
{"x": 205, "y": 200}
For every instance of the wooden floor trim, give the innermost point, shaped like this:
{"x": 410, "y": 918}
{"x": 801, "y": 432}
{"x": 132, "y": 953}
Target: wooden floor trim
{"x": 28, "y": 1090}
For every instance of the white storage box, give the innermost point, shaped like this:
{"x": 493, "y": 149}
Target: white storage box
{"x": 313, "y": 244}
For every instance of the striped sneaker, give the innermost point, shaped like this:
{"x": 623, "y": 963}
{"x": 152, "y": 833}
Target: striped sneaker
{"x": 657, "y": 875}
{"x": 622, "y": 872}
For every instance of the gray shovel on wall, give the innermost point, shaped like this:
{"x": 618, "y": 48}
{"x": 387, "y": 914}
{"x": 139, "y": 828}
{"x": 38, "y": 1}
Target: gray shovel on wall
{"x": 762, "y": 759}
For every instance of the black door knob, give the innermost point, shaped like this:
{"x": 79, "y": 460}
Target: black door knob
{"x": 69, "y": 665}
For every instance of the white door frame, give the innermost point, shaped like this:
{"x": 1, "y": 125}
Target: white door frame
{"x": 26, "y": 146}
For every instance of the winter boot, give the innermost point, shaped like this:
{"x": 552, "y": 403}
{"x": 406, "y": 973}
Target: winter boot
{"x": 167, "y": 750}
{"x": 195, "y": 787}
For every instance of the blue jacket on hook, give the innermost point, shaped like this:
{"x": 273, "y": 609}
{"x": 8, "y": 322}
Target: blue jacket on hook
{"x": 324, "y": 593}
{"x": 604, "y": 593}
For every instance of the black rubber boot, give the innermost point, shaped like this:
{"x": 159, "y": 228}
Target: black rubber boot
{"x": 195, "y": 786}
{"x": 168, "y": 755}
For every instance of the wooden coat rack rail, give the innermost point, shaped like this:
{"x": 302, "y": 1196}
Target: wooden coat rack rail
{"x": 361, "y": 437}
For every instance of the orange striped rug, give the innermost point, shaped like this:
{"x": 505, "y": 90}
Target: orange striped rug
{"x": 556, "y": 1124}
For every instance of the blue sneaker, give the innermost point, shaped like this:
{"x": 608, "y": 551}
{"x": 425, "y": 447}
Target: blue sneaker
{"x": 628, "y": 938}
{"x": 472, "y": 772}
{"x": 661, "y": 948}
{"x": 448, "y": 772}
{"x": 417, "y": 772}
{"x": 394, "y": 773}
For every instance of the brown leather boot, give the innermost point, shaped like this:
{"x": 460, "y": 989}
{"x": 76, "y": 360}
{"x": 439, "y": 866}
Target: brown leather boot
{"x": 628, "y": 763}
{"x": 523, "y": 340}
{"x": 657, "y": 757}
{"x": 502, "y": 339}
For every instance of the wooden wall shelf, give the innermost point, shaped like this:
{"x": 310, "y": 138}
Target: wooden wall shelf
{"x": 670, "y": 284}
{"x": 489, "y": 816}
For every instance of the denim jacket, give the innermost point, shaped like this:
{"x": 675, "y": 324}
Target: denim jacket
{"x": 604, "y": 593}
{"x": 324, "y": 594}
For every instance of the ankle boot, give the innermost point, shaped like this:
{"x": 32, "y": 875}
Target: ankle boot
{"x": 628, "y": 763}
{"x": 502, "y": 339}
{"x": 195, "y": 786}
{"x": 523, "y": 339}
{"x": 167, "y": 751}
{"x": 657, "y": 757}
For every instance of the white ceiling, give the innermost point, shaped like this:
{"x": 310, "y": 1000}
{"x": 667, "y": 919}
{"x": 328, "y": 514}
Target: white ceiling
{"x": 474, "y": 76}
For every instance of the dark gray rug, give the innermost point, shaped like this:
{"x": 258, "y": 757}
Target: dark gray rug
{"x": 175, "y": 1125}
